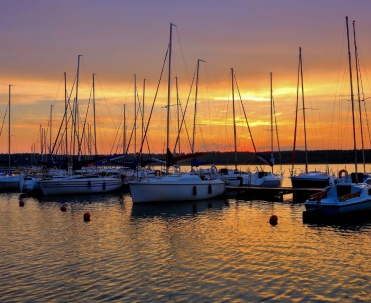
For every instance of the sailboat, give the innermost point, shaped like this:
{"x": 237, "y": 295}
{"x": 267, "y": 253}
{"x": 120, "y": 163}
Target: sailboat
{"x": 9, "y": 182}
{"x": 234, "y": 176}
{"x": 260, "y": 177}
{"x": 177, "y": 186}
{"x": 344, "y": 197}
{"x": 305, "y": 179}
{"x": 265, "y": 178}
{"x": 74, "y": 183}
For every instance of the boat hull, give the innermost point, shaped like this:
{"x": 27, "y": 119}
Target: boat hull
{"x": 337, "y": 209}
{"x": 70, "y": 186}
{"x": 152, "y": 191}
{"x": 341, "y": 199}
{"x": 303, "y": 182}
{"x": 9, "y": 183}
{"x": 265, "y": 179}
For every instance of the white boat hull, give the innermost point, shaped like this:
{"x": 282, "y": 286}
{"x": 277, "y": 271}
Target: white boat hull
{"x": 175, "y": 189}
{"x": 69, "y": 186}
{"x": 265, "y": 179}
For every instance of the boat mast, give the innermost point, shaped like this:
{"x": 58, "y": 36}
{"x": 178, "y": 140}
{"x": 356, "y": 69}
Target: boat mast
{"x": 168, "y": 100}
{"x": 50, "y": 128}
{"x": 95, "y": 124}
{"x": 359, "y": 96}
{"x": 352, "y": 100}
{"x": 234, "y": 121}
{"x": 195, "y": 111}
{"x": 178, "y": 113}
{"x": 9, "y": 172}
{"x": 65, "y": 111}
{"x": 135, "y": 114}
{"x": 76, "y": 112}
{"x": 124, "y": 130}
{"x": 144, "y": 92}
{"x": 271, "y": 85}
{"x": 303, "y": 103}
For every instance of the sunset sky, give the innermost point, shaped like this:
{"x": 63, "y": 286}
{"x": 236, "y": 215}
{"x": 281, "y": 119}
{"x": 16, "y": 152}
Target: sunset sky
{"x": 40, "y": 40}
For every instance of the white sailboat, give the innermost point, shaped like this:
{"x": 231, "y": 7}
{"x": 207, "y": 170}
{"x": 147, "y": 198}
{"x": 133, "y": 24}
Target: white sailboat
{"x": 265, "y": 178}
{"x": 306, "y": 178}
{"x": 9, "y": 182}
{"x": 79, "y": 184}
{"x": 259, "y": 177}
{"x": 344, "y": 197}
{"x": 178, "y": 186}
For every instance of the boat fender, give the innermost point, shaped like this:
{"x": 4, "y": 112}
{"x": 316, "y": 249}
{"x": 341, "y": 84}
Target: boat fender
{"x": 194, "y": 190}
{"x": 89, "y": 184}
{"x": 341, "y": 174}
{"x": 210, "y": 189}
{"x": 157, "y": 173}
{"x": 104, "y": 185}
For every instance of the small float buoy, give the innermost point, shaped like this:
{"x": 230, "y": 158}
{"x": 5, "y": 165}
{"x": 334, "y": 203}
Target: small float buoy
{"x": 87, "y": 216}
{"x": 273, "y": 220}
{"x": 21, "y": 203}
{"x": 63, "y": 208}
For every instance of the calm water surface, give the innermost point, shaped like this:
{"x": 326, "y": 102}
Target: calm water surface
{"x": 221, "y": 250}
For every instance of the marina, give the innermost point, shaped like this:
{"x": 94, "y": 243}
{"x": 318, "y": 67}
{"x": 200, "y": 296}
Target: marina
{"x": 188, "y": 156}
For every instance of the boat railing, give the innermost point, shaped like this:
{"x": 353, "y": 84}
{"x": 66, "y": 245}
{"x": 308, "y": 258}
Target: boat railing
{"x": 350, "y": 196}
{"x": 318, "y": 196}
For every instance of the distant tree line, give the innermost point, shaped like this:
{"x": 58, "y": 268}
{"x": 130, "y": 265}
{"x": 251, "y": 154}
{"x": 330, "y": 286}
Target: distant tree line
{"x": 224, "y": 158}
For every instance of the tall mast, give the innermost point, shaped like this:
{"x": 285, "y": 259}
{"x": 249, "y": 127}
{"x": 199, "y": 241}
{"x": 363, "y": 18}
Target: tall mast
{"x": 135, "y": 113}
{"x": 359, "y": 96}
{"x": 195, "y": 112}
{"x": 76, "y": 131}
{"x": 168, "y": 99}
{"x": 65, "y": 111}
{"x": 234, "y": 121}
{"x": 124, "y": 130}
{"x": 50, "y": 128}
{"x": 178, "y": 110}
{"x": 144, "y": 93}
{"x": 9, "y": 172}
{"x": 296, "y": 114}
{"x": 352, "y": 100}
{"x": 95, "y": 124}
{"x": 303, "y": 104}
{"x": 271, "y": 85}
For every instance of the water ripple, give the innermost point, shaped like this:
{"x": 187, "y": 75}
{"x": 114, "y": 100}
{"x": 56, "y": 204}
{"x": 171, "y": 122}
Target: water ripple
{"x": 213, "y": 251}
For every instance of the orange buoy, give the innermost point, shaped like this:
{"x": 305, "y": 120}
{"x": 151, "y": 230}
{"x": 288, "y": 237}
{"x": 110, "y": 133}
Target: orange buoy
{"x": 87, "y": 216}
{"x": 63, "y": 208}
{"x": 273, "y": 220}
{"x": 21, "y": 203}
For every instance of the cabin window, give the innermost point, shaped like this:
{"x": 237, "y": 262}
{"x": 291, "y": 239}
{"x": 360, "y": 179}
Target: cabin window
{"x": 343, "y": 190}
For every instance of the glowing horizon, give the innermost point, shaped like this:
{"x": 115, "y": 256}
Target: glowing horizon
{"x": 123, "y": 49}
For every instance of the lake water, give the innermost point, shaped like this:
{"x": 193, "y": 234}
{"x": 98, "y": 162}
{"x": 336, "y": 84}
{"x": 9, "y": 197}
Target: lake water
{"x": 222, "y": 250}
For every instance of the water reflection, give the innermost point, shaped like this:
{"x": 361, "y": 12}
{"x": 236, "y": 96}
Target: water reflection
{"x": 184, "y": 208}
{"x": 350, "y": 221}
